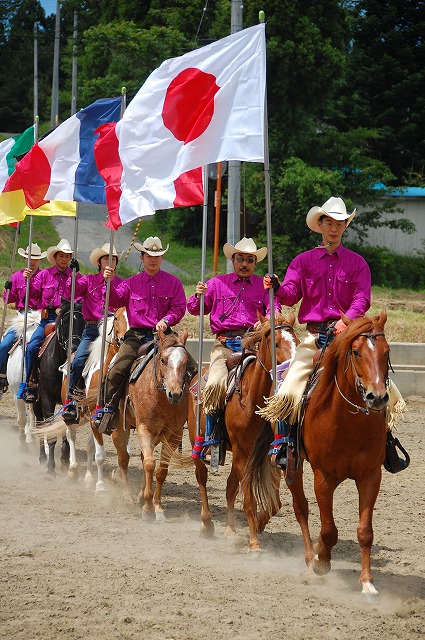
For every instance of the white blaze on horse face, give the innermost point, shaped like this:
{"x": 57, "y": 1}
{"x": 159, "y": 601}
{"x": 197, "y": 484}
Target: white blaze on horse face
{"x": 371, "y": 344}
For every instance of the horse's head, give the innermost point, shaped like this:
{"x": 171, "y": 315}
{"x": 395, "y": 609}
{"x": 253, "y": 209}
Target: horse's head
{"x": 364, "y": 351}
{"x": 63, "y": 323}
{"x": 285, "y": 339}
{"x": 120, "y": 326}
{"x": 171, "y": 364}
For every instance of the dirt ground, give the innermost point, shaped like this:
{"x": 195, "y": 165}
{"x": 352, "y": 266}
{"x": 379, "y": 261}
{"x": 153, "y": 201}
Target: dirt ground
{"x": 78, "y": 565}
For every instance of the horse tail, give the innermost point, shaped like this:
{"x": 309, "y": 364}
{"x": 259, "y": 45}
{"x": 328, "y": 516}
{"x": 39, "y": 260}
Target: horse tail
{"x": 260, "y": 480}
{"x": 49, "y": 430}
{"x": 174, "y": 456}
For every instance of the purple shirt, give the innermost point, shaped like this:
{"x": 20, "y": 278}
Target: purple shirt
{"x": 91, "y": 289}
{"x": 327, "y": 284}
{"x": 149, "y": 299}
{"x": 18, "y": 291}
{"x": 51, "y": 284}
{"x": 233, "y": 302}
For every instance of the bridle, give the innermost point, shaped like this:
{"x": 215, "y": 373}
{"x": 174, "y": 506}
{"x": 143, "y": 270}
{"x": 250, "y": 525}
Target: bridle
{"x": 285, "y": 326}
{"x": 159, "y": 380}
{"x": 349, "y": 360}
{"x": 59, "y": 330}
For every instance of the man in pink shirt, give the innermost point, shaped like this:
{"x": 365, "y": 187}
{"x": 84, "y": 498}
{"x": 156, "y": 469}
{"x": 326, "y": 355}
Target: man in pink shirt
{"x": 17, "y": 287}
{"x": 50, "y": 285}
{"x": 154, "y": 300}
{"x": 327, "y": 280}
{"x": 232, "y": 300}
{"x": 91, "y": 290}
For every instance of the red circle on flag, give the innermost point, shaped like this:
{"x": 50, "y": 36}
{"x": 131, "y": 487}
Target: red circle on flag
{"x": 189, "y": 104}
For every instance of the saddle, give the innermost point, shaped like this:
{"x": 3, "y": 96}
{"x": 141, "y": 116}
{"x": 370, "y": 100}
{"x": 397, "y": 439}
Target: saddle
{"x": 47, "y": 340}
{"x": 236, "y": 364}
{"x": 145, "y": 354}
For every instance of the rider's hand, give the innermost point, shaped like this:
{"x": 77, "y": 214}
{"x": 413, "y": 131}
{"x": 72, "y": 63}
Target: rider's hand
{"x": 162, "y": 324}
{"x": 339, "y": 327}
{"x": 201, "y": 289}
{"x": 109, "y": 273}
{"x": 27, "y": 273}
{"x": 271, "y": 281}
{"x": 74, "y": 264}
{"x": 8, "y": 284}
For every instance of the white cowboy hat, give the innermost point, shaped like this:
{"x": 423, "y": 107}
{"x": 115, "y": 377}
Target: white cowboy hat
{"x": 99, "y": 252}
{"x": 36, "y": 253}
{"x": 246, "y": 245}
{"x": 63, "y": 245}
{"x": 152, "y": 246}
{"x": 334, "y": 208}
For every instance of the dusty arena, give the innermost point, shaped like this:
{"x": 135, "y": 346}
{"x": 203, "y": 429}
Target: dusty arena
{"x": 79, "y": 565}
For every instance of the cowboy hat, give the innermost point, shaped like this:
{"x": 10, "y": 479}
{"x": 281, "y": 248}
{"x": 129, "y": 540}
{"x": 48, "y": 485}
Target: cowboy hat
{"x": 246, "y": 245}
{"x": 99, "y": 252}
{"x": 334, "y": 208}
{"x": 152, "y": 246}
{"x": 36, "y": 253}
{"x": 63, "y": 245}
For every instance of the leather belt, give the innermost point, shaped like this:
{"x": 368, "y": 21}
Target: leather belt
{"x": 92, "y": 321}
{"x": 233, "y": 333}
{"x": 320, "y": 327}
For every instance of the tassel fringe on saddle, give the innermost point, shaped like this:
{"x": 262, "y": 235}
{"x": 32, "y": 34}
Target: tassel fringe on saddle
{"x": 214, "y": 397}
{"x": 394, "y": 414}
{"x": 281, "y": 407}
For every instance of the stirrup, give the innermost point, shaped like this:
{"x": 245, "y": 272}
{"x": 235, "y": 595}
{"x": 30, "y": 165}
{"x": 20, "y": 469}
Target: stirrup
{"x": 279, "y": 451}
{"x": 393, "y": 463}
{"x": 70, "y": 412}
{"x": 31, "y": 393}
{"x": 102, "y": 419}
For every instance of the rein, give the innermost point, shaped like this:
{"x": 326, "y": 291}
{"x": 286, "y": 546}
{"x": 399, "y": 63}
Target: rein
{"x": 284, "y": 327}
{"x": 357, "y": 378}
{"x": 59, "y": 331}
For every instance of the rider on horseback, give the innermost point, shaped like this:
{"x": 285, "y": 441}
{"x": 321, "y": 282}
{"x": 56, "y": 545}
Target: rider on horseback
{"x": 91, "y": 289}
{"x": 17, "y": 287}
{"x": 232, "y": 300}
{"x": 154, "y": 300}
{"x": 328, "y": 280}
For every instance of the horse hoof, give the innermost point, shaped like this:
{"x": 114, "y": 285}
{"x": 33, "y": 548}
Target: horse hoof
{"x": 160, "y": 516}
{"x": 320, "y": 567}
{"x": 207, "y": 530}
{"x": 369, "y": 593}
{"x": 100, "y": 488}
{"x": 73, "y": 474}
{"x": 148, "y": 516}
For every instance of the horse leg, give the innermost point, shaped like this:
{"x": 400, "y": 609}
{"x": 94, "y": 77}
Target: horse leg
{"x": 90, "y": 452}
{"x": 30, "y": 423}
{"x": 201, "y": 474}
{"x": 148, "y": 463}
{"x": 120, "y": 438}
{"x": 71, "y": 436}
{"x": 324, "y": 489}
{"x": 232, "y": 489}
{"x": 368, "y": 489}
{"x": 20, "y": 409}
{"x": 65, "y": 452}
{"x": 300, "y": 507}
{"x": 51, "y": 458}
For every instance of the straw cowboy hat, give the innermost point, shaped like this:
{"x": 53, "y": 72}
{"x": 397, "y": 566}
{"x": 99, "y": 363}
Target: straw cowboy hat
{"x": 334, "y": 208}
{"x": 152, "y": 246}
{"x": 36, "y": 253}
{"x": 246, "y": 245}
{"x": 99, "y": 252}
{"x": 63, "y": 245}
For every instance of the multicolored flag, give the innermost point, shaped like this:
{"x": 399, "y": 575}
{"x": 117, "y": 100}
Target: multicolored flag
{"x": 12, "y": 204}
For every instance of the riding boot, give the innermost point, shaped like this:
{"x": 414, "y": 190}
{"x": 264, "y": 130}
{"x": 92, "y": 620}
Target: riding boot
{"x": 213, "y": 438}
{"x": 70, "y": 410}
{"x": 3, "y": 384}
{"x": 31, "y": 393}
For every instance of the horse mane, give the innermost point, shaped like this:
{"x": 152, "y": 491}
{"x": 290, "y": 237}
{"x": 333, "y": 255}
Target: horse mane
{"x": 254, "y": 337}
{"x": 169, "y": 340}
{"x": 336, "y": 351}
{"x": 95, "y": 347}
{"x": 17, "y": 322}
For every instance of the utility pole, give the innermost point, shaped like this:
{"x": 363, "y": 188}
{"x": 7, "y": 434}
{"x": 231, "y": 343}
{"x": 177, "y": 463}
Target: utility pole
{"x": 74, "y": 67}
{"x": 35, "y": 70}
{"x": 234, "y": 166}
{"x": 54, "y": 115}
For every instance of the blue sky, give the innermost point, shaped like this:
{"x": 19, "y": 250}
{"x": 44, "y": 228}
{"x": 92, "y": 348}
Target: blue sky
{"x": 49, "y": 6}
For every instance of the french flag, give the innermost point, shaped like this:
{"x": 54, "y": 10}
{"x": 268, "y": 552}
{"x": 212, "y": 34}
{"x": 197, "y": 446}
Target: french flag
{"x": 61, "y": 166}
{"x": 125, "y": 205}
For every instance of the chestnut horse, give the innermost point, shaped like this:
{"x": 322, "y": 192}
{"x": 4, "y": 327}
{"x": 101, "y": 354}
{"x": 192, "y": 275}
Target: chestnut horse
{"x": 343, "y": 437}
{"x": 157, "y": 405}
{"x": 243, "y": 425}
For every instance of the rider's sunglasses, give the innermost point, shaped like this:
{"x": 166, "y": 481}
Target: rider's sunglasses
{"x": 241, "y": 259}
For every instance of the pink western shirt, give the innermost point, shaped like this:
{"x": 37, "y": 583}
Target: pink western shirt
{"x": 233, "y": 302}
{"x": 18, "y": 291}
{"x": 327, "y": 284}
{"x": 51, "y": 284}
{"x": 149, "y": 299}
{"x": 91, "y": 289}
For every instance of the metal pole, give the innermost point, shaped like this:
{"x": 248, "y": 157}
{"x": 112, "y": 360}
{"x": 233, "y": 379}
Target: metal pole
{"x": 217, "y": 202}
{"x": 54, "y": 115}
{"x": 74, "y": 67}
{"x": 27, "y": 295}
{"x": 269, "y": 228}
{"x": 12, "y": 266}
{"x": 72, "y": 305}
{"x": 234, "y": 171}
{"x": 201, "y": 301}
{"x": 35, "y": 69}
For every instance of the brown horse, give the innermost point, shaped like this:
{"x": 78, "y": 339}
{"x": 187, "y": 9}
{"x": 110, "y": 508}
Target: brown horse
{"x": 158, "y": 405}
{"x": 243, "y": 425}
{"x": 343, "y": 437}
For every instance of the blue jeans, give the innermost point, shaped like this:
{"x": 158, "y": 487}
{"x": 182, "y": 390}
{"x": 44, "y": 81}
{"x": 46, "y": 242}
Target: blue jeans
{"x": 90, "y": 333}
{"x": 6, "y": 344}
{"x": 35, "y": 343}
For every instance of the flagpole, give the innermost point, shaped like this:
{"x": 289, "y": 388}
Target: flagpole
{"x": 72, "y": 303}
{"x": 27, "y": 295}
{"x": 269, "y": 228}
{"x": 108, "y": 289}
{"x": 12, "y": 266}
{"x": 201, "y": 301}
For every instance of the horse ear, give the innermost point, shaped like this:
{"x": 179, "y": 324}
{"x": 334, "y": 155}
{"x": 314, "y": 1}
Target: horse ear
{"x": 291, "y": 319}
{"x": 382, "y": 318}
{"x": 183, "y": 336}
{"x": 261, "y": 318}
{"x": 346, "y": 320}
